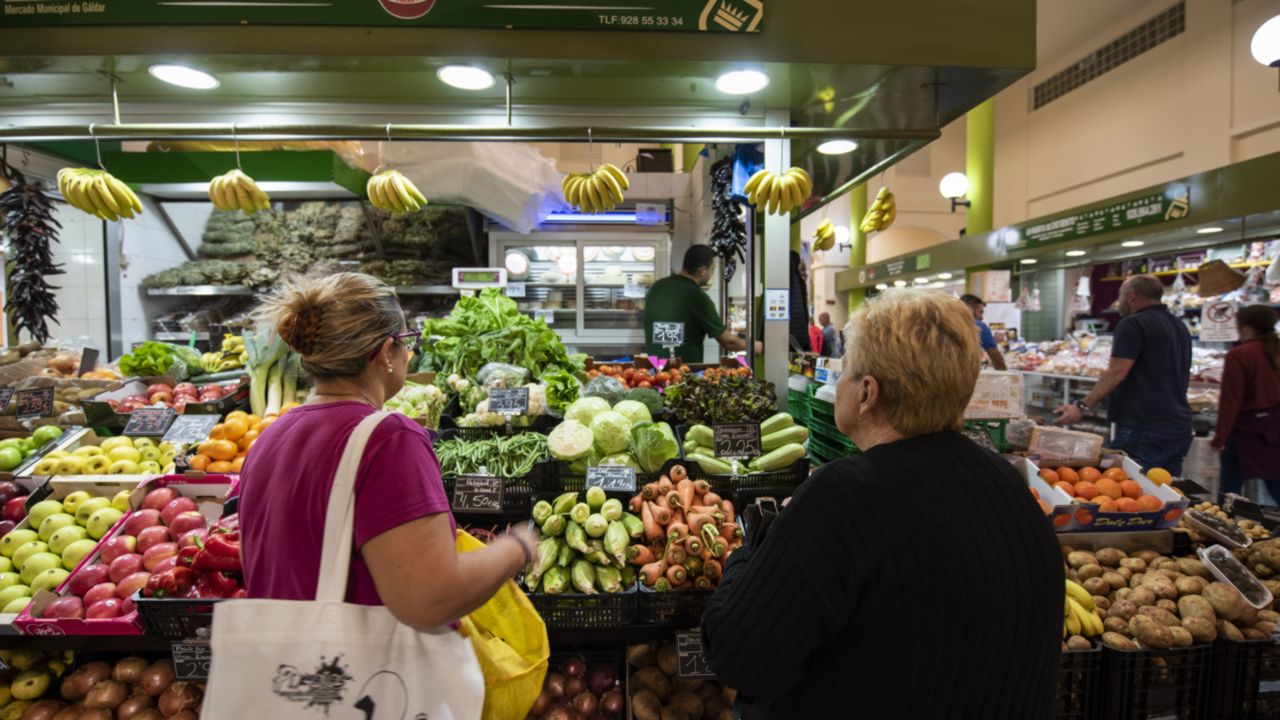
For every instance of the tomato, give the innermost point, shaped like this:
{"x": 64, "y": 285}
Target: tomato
{"x": 646, "y": 384}
{"x": 609, "y": 370}
{"x": 664, "y": 377}
{"x": 629, "y": 374}
{"x": 675, "y": 376}
{"x": 593, "y": 374}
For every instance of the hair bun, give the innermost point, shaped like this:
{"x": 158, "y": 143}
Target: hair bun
{"x": 301, "y": 330}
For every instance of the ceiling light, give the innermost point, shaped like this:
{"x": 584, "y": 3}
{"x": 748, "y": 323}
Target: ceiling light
{"x": 899, "y": 283}
{"x": 882, "y": 286}
{"x": 837, "y": 147}
{"x": 921, "y": 280}
{"x": 954, "y": 185}
{"x": 183, "y": 76}
{"x": 465, "y": 77}
{"x": 1266, "y": 43}
{"x": 1132, "y": 243}
{"x": 842, "y": 235}
{"x": 742, "y": 82}
{"x": 944, "y": 276}
{"x": 1208, "y": 230}
{"x": 1077, "y": 253}
{"x": 1028, "y": 261}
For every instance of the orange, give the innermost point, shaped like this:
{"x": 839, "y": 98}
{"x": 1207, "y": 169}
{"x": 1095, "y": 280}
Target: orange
{"x": 1035, "y": 493}
{"x": 1107, "y": 505}
{"x": 1125, "y": 504}
{"x": 222, "y": 449}
{"x": 1062, "y": 520}
{"x": 1066, "y": 487}
{"x": 1130, "y": 488}
{"x": 1086, "y": 489}
{"x": 1090, "y": 474}
{"x": 1150, "y": 503}
{"x": 1110, "y": 488}
{"x": 251, "y": 419}
{"x": 288, "y": 406}
{"x": 219, "y": 432}
{"x": 1159, "y": 476}
{"x": 237, "y": 464}
{"x": 238, "y": 414}
{"x": 1045, "y": 507}
{"x": 249, "y": 445}
{"x": 235, "y": 428}
{"x": 220, "y": 466}
{"x": 1050, "y": 476}
{"x": 264, "y": 423}
{"x": 1066, "y": 474}
{"x": 1117, "y": 474}
{"x": 199, "y": 462}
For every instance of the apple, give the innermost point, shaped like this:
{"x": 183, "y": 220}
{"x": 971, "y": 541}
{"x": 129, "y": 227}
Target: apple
{"x": 9, "y": 579}
{"x": 10, "y": 459}
{"x": 54, "y": 523}
{"x": 97, "y": 465}
{"x": 72, "y": 501}
{"x": 101, "y": 522}
{"x": 15, "y": 508}
{"x": 45, "y": 434}
{"x": 123, "y": 467}
{"x": 13, "y": 592}
{"x": 16, "y": 539}
{"x": 140, "y": 521}
{"x": 98, "y": 593}
{"x": 126, "y": 606}
{"x": 64, "y": 537}
{"x": 152, "y": 536}
{"x": 176, "y": 507}
{"x": 124, "y": 566}
{"x": 68, "y": 607}
{"x": 190, "y": 387}
{"x": 6, "y": 565}
{"x": 193, "y": 538}
{"x": 76, "y": 552}
{"x": 49, "y": 580}
{"x": 125, "y": 453}
{"x": 137, "y": 399}
{"x": 168, "y": 563}
{"x": 109, "y": 608}
{"x": 121, "y": 500}
{"x": 158, "y": 388}
{"x": 37, "y": 564}
{"x": 127, "y": 408}
{"x": 164, "y": 396}
{"x": 88, "y": 507}
{"x": 180, "y": 406}
{"x": 141, "y": 442}
{"x": 157, "y": 553}
{"x": 42, "y": 510}
{"x": 71, "y": 465}
{"x": 132, "y": 584}
{"x": 149, "y": 467}
{"x": 158, "y": 498}
{"x": 114, "y": 442}
{"x": 115, "y": 405}
{"x": 6, "y": 527}
{"x": 88, "y": 576}
{"x": 86, "y": 451}
{"x": 185, "y": 522}
{"x": 119, "y": 545}
{"x": 21, "y": 554}
{"x": 17, "y": 606}
{"x": 150, "y": 453}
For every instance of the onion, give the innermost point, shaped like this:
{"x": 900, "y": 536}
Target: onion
{"x": 157, "y": 678}
{"x": 107, "y": 694}
{"x": 585, "y": 703}
{"x": 186, "y": 715}
{"x": 71, "y": 689}
{"x": 560, "y": 713}
{"x": 129, "y": 670}
{"x": 133, "y": 705}
{"x": 574, "y": 667}
{"x": 96, "y": 671}
{"x": 542, "y": 704}
{"x": 70, "y": 712}
{"x": 574, "y": 686}
{"x": 611, "y": 703}
{"x": 555, "y": 685}
{"x": 42, "y": 710}
{"x": 601, "y": 679}
{"x": 95, "y": 714}
{"x": 180, "y": 696}
{"x": 153, "y": 714}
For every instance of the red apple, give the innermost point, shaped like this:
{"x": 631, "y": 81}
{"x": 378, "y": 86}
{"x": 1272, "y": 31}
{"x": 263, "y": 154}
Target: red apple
{"x": 68, "y": 607}
{"x": 176, "y": 507}
{"x": 168, "y": 563}
{"x": 139, "y": 521}
{"x": 6, "y": 526}
{"x": 127, "y": 606}
{"x": 124, "y": 566}
{"x": 115, "y": 404}
{"x": 161, "y": 397}
{"x": 158, "y": 498}
{"x": 183, "y": 523}
{"x": 180, "y": 406}
{"x": 126, "y": 407}
{"x": 184, "y": 387}
{"x": 108, "y": 608}
{"x": 211, "y": 388}
{"x": 89, "y": 576}
{"x": 137, "y": 399}
{"x": 100, "y": 592}
{"x": 116, "y": 547}
{"x": 9, "y": 490}
{"x": 152, "y": 536}
{"x": 15, "y": 509}
{"x": 158, "y": 387}
{"x": 132, "y": 584}
{"x": 158, "y": 553}
{"x": 192, "y": 538}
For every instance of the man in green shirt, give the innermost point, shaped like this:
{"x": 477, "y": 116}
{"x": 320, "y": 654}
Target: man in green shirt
{"x": 681, "y": 298}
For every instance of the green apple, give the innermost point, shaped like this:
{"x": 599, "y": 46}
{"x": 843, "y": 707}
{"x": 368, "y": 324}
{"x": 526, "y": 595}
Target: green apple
{"x": 88, "y": 451}
{"x": 28, "y": 445}
{"x": 89, "y": 507}
{"x": 6, "y": 565}
{"x": 59, "y": 541}
{"x": 21, "y": 554}
{"x": 9, "y": 579}
{"x": 49, "y": 580}
{"x": 12, "y": 442}
{"x": 37, "y": 564}
{"x": 97, "y": 465}
{"x": 13, "y": 592}
{"x": 10, "y": 458}
{"x": 57, "y": 454}
{"x": 45, "y": 434}
{"x": 114, "y": 442}
{"x": 150, "y": 453}
{"x": 124, "y": 453}
{"x": 43, "y": 509}
{"x": 121, "y": 500}
{"x": 123, "y": 467}
{"x": 76, "y": 551}
{"x": 17, "y": 606}
{"x": 141, "y": 442}
{"x": 102, "y": 521}
{"x": 72, "y": 501}
{"x": 16, "y": 539}
{"x": 167, "y": 447}
{"x": 54, "y": 523}
{"x": 167, "y": 458}
{"x": 149, "y": 467}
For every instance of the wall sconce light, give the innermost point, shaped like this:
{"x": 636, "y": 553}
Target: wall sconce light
{"x": 953, "y": 187}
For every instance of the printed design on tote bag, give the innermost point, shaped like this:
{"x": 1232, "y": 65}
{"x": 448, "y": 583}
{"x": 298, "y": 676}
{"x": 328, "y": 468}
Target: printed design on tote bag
{"x": 319, "y": 689}
{"x": 384, "y": 696}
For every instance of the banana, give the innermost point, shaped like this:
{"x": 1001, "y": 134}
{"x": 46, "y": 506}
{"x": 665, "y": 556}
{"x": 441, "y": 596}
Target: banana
{"x": 414, "y": 192}
{"x": 597, "y": 202}
{"x": 761, "y": 198}
{"x": 126, "y": 193}
{"x": 882, "y": 193}
{"x": 754, "y": 182}
{"x": 1077, "y": 592}
{"x": 617, "y": 175}
{"x": 610, "y": 182}
{"x": 796, "y": 186}
{"x": 568, "y": 187}
{"x": 402, "y": 193}
{"x": 1073, "y": 624}
{"x": 102, "y": 198}
{"x": 806, "y": 182}
{"x": 98, "y": 193}
{"x": 372, "y": 188}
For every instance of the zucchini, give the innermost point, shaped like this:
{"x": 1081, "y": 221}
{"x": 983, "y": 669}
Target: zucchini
{"x": 702, "y": 435}
{"x": 690, "y": 447}
{"x": 781, "y": 421}
{"x": 794, "y": 434}
{"x": 711, "y": 465}
{"x": 780, "y": 459}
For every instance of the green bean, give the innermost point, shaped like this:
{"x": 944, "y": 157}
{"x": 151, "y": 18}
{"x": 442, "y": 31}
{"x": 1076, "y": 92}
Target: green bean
{"x": 507, "y": 457}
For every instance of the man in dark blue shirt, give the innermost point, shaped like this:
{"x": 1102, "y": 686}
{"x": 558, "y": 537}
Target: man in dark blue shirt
{"x": 985, "y": 337}
{"x": 1146, "y": 380}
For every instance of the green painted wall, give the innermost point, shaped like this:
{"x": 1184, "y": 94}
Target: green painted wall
{"x": 858, "y": 248}
{"x": 979, "y": 166}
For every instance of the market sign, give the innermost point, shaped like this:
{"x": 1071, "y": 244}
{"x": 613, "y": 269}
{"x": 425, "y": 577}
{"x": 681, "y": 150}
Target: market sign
{"x": 893, "y": 268}
{"x": 1218, "y": 322}
{"x": 719, "y": 16}
{"x": 1127, "y": 215}
{"x": 478, "y": 494}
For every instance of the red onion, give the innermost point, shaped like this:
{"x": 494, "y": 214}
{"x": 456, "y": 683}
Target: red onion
{"x": 601, "y": 679}
{"x": 574, "y": 667}
{"x": 574, "y": 686}
{"x": 542, "y": 704}
{"x": 585, "y": 703}
{"x": 611, "y": 703}
{"x": 560, "y": 713}
{"x": 555, "y": 685}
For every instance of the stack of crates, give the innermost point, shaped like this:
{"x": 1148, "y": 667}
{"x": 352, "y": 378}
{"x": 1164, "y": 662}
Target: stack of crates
{"x": 826, "y": 442}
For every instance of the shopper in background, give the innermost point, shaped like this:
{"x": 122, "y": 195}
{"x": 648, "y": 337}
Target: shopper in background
{"x": 985, "y": 338}
{"x": 1146, "y": 380}
{"x": 350, "y": 331}
{"x": 1249, "y": 409}
{"x": 817, "y": 343}
{"x": 819, "y": 619}
{"x": 831, "y": 344}
{"x": 681, "y": 298}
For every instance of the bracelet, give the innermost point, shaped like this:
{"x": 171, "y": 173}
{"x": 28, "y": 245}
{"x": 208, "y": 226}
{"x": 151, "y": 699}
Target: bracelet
{"x": 528, "y": 553}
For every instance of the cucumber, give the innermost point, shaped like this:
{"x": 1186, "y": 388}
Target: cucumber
{"x": 690, "y": 447}
{"x": 710, "y": 465}
{"x": 781, "y": 421}
{"x": 702, "y": 435}
{"x": 780, "y": 459}
{"x": 794, "y": 434}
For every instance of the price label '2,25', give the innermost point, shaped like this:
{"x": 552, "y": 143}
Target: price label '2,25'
{"x": 737, "y": 440}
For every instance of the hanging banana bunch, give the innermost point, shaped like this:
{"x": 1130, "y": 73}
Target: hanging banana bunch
{"x": 98, "y": 192}
{"x": 824, "y": 238}
{"x": 881, "y": 214}
{"x": 596, "y": 192}
{"x": 390, "y": 190}
{"x": 778, "y": 194}
{"x": 236, "y": 191}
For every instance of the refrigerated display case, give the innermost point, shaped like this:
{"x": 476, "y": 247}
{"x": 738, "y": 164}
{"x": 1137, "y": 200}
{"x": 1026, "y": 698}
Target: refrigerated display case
{"x": 588, "y": 286}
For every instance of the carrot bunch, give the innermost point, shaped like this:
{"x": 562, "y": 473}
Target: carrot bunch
{"x": 689, "y": 533}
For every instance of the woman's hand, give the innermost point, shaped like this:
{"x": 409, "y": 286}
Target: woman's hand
{"x": 528, "y": 539}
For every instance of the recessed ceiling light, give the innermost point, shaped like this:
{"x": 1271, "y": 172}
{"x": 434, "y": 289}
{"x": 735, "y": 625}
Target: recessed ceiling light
{"x": 899, "y": 283}
{"x": 1132, "y": 243}
{"x": 1076, "y": 253}
{"x": 183, "y": 76}
{"x": 1028, "y": 261}
{"x": 882, "y": 286}
{"x": 465, "y": 77}
{"x": 837, "y": 147}
{"x": 944, "y": 276}
{"x": 742, "y": 82}
{"x": 1209, "y": 230}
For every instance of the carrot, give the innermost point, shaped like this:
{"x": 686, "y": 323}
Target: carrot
{"x": 693, "y": 545}
{"x": 676, "y": 574}
{"x": 664, "y": 485}
{"x": 693, "y": 566}
{"x": 685, "y": 489}
{"x": 706, "y": 553}
{"x": 662, "y": 585}
{"x": 697, "y": 520}
{"x": 701, "y": 487}
{"x": 677, "y": 531}
{"x": 711, "y": 499}
{"x": 661, "y": 513}
{"x": 636, "y": 502}
{"x": 702, "y": 582}
{"x": 675, "y": 500}
{"x": 652, "y": 531}
{"x": 730, "y": 531}
{"x": 650, "y": 573}
{"x": 678, "y": 473}
{"x": 712, "y": 569}
{"x": 678, "y": 518}
{"x": 649, "y": 491}
{"x": 727, "y": 507}
{"x": 661, "y": 501}
{"x": 643, "y": 555}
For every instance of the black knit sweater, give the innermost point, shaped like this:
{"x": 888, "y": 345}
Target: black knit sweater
{"x": 916, "y": 580}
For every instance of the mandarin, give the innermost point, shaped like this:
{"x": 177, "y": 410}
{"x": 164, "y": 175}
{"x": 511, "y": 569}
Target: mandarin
{"x": 1110, "y": 488}
{"x": 1107, "y": 505}
{"x": 1086, "y": 489}
{"x": 199, "y": 462}
{"x": 220, "y": 466}
{"x": 236, "y": 428}
{"x": 1117, "y": 474}
{"x": 1130, "y": 488}
{"x": 238, "y": 414}
{"x": 1066, "y": 487}
{"x": 221, "y": 449}
{"x": 1126, "y": 504}
{"x": 1066, "y": 474}
{"x": 1150, "y": 503}
{"x": 1091, "y": 474}
{"x": 1050, "y": 476}
{"x": 237, "y": 464}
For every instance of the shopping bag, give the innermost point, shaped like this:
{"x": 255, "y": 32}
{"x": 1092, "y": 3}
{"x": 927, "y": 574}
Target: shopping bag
{"x": 307, "y": 660}
{"x": 510, "y": 640}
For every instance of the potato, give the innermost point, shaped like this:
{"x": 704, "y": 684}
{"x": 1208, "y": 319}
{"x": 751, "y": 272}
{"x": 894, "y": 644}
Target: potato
{"x": 1117, "y": 641}
{"x": 1110, "y": 557}
{"x": 1066, "y": 552}
{"x": 680, "y": 684}
{"x": 1116, "y": 624}
{"x": 1195, "y": 606}
{"x": 1173, "y": 575}
{"x": 642, "y": 655}
{"x": 645, "y": 705}
{"x": 1168, "y": 605}
{"x": 1125, "y": 573}
{"x": 1226, "y": 600}
{"x": 1096, "y": 586}
{"x": 1273, "y": 585}
{"x": 1165, "y": 590}
{"x": 1100, "y": 602}
{"x": 671, "y": 713}
{"x": 1114, "y": 579}
{"x": 1202, "y": 629}
{"x": 1084, "y": 572}
{"x": 1192, "y": 566}
{"x": 1137, "y": 579}
{"x": 651, "y": 678}
{"x": 1164, "y": 617}
{"x": 1190, "y": 585}
{"x": 1270, "y": 616}
{"x": 1268, "y": 555}
{"x": 668, "y": 661}
{"x": 1150, "y": 632}
{"x": 1077, "y": 642}
{"x": 1227, "y": 631}
{"x": 1122, "y": 609}
{"x": 1248, "y": 615}
{"x": 688, "y": 703}
{"x": 712, "y": 706}
{"x": 1123, "y": 593}
{"x": 1262, "y": 571}
{"x": 1079, "y": 559}
{"x": 1141, "y": 596}
{"x": 1134, "y": 564}
{"x": 1146, "y": 555}
{"x": 1266, "y": 627}
{"x": 1251, "y": 633}
{"x": 1163, "y": 563}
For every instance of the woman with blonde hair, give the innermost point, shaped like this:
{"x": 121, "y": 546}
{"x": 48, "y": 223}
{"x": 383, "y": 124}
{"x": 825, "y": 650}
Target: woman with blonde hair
{"x": 351, "y": 334}
{"x": 834, "y": 612}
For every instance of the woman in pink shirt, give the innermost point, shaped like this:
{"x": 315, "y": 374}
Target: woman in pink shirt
{"x": 350, "y": 331}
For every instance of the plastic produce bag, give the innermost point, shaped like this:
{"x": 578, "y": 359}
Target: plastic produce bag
{"x": 502, "y": 375}
{"x": 609, "y": 388}
{"x": 1272, "y": 278}
{"x": 1018, "y": 432}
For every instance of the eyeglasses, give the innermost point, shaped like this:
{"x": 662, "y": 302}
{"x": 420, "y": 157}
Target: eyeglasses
{"x": 414, "y": 349}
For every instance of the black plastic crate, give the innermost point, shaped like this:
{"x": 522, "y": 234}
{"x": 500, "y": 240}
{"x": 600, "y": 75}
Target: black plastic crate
{"x": 576, "y": 610}
{"x": 1150, "y": 684}
{"x": 565, "y": 480}
{"x": 541, "y": 424}
{"x": 177, "y": 618}
{"x": 789, "y": 478}
{"x": 1246, "y": 680}
{"x": 1079, "y": 678}
{"x": 678, "y": 609}
{"x": 517, "y": 497}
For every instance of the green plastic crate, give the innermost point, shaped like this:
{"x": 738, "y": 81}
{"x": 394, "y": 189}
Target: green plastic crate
{"x": 823, "y": 453}
{"x": 798, "y": 406}
{"x": 833, "y": 439}
{"x": 994, "y": 428}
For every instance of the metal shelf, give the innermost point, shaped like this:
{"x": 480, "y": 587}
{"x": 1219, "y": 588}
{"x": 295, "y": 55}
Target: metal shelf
{"x": 425, "y": 290}
{"x": 178, "y": 336}
{"x": 201, "y": 291}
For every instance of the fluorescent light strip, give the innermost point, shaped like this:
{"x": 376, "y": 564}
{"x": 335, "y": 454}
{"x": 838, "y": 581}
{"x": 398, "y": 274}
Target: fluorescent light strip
{"x": 587, "y": 218}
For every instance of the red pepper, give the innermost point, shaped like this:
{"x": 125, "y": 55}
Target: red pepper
{"x": 223, "y": 543}
{"x": 187, "y": 555}
{"x": 215, "y": 585}
{"x": 175, "y": 582}
{"x": 240, "y": 592}
{"x": 205, "y": 561}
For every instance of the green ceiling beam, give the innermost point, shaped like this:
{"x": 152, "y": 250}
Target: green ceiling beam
{"x": 161, "y": 168}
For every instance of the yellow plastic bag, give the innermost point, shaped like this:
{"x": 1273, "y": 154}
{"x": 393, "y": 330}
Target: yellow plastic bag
{"x": 510, "y": 640}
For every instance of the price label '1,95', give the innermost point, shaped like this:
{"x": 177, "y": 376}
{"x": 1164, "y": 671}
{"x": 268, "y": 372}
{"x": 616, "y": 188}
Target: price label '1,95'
{"x": 668, "y": 334}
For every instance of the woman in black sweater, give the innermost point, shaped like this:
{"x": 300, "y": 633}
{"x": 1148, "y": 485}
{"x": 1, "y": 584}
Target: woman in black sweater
{"x": 918, "y": 579}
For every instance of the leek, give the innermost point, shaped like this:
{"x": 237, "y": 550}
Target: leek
{"x": 275, "y": 389}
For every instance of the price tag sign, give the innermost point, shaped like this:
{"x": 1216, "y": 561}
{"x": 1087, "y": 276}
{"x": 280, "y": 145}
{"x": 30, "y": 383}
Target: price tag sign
{"x": 668, "y": 334}
{"x": 191, "y": 429}
{"x": 515, "y": 290}
{"x": 1244, "y": 508}
{"x": 34, "y": 403}
{"x": 478, "y": 494}
{"x": 619, "y": 478}
{"x": 6, "y": 394}
{"x": 88, "y": 360}
{"x": 738, "y": 440}
{"x": 149, "y": 422}
{"x": 191, "y": 659}
{"x": 634, "y": 291}
{"x": 1191, "y": 487}
{"x": 692, "y": 660}
{"x": 980, "y": 437}
{"x": 509, "y": 401}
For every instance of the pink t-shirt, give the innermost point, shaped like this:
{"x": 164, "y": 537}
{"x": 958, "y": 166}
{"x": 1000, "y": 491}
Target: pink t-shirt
{"x": 284, "y": 494}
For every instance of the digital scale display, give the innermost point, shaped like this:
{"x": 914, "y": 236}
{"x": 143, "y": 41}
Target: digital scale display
{"x": 479, "y": 278}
